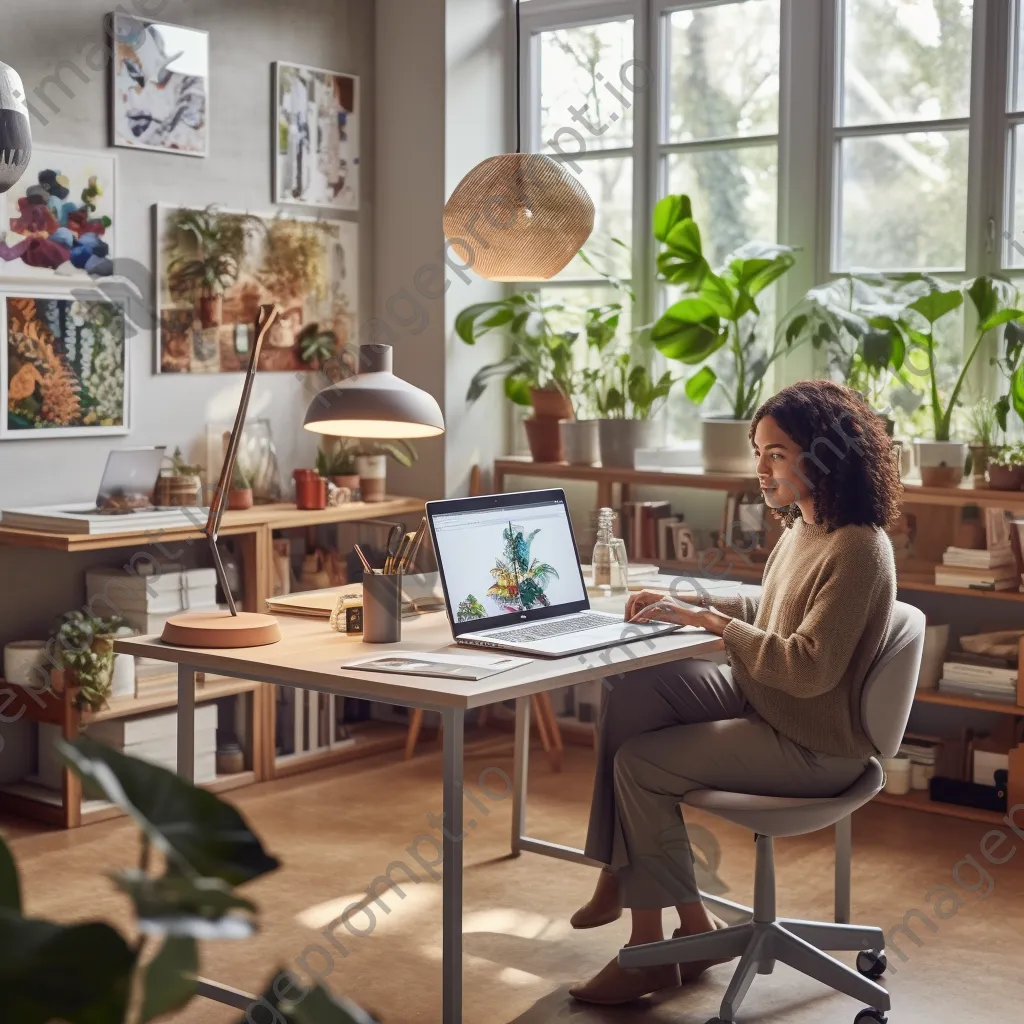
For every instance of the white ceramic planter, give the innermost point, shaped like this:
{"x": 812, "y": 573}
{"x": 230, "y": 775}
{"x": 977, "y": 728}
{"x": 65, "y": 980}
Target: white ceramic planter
{"x": 941, "y": 462}
{"x": 725, "y": 446}
{"x": 25, "y": 664}
{"x": 373, "y": 471}
{"x": 620, "y": 440}
{"x": 581, "y": 442}
{"x": 122, "y": 682}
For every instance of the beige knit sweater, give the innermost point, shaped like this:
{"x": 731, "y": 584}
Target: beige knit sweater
{"x": 801, "y": 651}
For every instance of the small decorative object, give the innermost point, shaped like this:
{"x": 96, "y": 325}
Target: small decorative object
{"x": 316, "y": 137}
{"x": 610, "y": 566}
{"x": 694, "y": 328}
{"x": 84, "y": 649}
{"x": 215, "y": 267}
{"x": 122, "y": 679}
{"x": 347, "y": 616}
{"x": 26, "y": 664}
{"x": 1006, "y": 467}
{"x": 65, "y": 368}
{"x": 240, "y": 495}
{"x": 15, "y": 128}
{"x": 310, "y": 489}
{"x": 160, "y": 87}
{"x": 179, "y": 484}
{"x": 897, "y": 775}
{"x": 337, "y": 495}
{"x": 382, "y": 608}
{"x": 59, "y": 221}
{"x": 256, "y": 452}
{"x": 230, "y": 759}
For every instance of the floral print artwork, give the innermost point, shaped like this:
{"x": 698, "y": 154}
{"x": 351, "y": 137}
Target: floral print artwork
{"x": 64, "y": 367}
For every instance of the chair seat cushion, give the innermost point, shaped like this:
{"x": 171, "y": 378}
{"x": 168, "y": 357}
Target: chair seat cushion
{"x": 789, "y": 816}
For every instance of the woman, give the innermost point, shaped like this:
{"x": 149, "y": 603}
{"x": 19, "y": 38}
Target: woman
{"x": 783, "y": 719}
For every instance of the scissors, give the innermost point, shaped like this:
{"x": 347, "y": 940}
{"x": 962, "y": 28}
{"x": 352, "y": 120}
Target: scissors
{"x": 395, "y": 536}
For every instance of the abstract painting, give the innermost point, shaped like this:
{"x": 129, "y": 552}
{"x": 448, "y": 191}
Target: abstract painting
{"x": 63, "y": 367}
{"x": 59, "y": 219}
{"x": 161, "y": 88}
{"x": 215, "y": 268}
{"x": 316, "y": 137}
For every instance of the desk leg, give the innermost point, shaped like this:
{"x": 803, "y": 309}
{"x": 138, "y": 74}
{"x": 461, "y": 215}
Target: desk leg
{"x": 453, "y": 724}
{"x": 186, "y": 722}
{"x": 844, "y": 857}
{"x": 520, "y": 771}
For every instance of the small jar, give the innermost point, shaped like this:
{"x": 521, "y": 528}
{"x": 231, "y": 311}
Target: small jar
{"x": 310, "y": 489}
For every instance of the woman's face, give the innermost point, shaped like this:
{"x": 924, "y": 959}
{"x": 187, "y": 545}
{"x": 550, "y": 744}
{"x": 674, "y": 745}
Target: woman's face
{"x": 782, "y": 478}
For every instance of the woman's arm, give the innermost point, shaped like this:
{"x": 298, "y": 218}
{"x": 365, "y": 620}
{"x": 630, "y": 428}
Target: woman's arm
{"x": 668, "y": 609}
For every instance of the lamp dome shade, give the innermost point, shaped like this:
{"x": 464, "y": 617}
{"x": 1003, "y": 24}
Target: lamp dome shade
{"x": 374, "y": 403}
{"x": 15, "y": 130}
{"x": 518, "y": 217}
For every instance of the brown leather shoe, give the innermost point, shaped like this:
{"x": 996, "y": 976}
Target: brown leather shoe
{"x": 614, "y": 984}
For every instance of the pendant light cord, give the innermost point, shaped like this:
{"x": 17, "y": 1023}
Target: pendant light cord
{"x": 519, "y": 89}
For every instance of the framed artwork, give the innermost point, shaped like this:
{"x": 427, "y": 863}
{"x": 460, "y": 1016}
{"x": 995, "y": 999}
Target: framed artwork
{"x": 59, "y": 221}
{"x": 316, "y": 137}
{"x": 161, "y": 87}
{"x": 63, "y": 366}
{"x": 214, "y": 268}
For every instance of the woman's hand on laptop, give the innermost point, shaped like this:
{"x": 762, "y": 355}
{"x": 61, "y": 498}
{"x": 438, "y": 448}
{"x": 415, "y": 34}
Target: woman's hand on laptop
{"x": 650, "y": 606}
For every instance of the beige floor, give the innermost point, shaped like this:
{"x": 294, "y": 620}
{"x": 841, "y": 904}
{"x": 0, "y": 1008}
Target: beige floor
{"x": 336, "y": 830}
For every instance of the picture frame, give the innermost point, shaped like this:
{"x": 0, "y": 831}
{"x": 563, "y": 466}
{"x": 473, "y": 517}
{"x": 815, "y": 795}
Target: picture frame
{"x": 63, "y": 223}
{"x": 315, "y": 166}
{"x": 160, "y": 95}
{"x": 32, "y": 348}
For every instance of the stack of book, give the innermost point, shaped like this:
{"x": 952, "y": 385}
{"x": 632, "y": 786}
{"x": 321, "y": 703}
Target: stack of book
{"x": 978, "y": 568}
{"x": 641, "y": 527}
{"x": 979, "y": 675}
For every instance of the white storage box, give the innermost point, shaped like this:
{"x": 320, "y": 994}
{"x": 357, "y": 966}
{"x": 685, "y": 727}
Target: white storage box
{"x": 116, "y": 592}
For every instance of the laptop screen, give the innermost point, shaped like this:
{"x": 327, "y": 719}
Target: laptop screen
{"x": 513, "y": 560}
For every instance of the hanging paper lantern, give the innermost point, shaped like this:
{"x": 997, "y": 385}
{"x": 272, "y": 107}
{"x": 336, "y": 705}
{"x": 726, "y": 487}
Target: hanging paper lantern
{"x": 15, "y": 131}
{"x": 518, "y": 217}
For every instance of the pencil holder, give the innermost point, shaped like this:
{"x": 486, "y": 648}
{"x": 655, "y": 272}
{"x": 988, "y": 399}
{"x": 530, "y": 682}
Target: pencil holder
{"x": 382, "y": 608}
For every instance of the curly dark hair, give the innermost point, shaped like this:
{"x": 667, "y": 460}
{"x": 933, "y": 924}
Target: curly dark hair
{"x": 847, "y": 456}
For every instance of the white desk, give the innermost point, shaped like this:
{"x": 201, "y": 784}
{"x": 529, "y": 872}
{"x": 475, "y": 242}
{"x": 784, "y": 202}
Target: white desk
{"x": 309, "y": 657}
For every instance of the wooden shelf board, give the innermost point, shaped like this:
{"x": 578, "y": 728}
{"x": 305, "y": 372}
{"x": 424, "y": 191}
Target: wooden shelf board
{"x": 954, "y": 700}
{"x": 935, "y": 588}
{"x": 918, "y": 800}
{"x": 212, "y": 689}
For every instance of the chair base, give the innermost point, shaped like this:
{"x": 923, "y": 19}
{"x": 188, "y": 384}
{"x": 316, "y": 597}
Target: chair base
{"x": 764, "y": 939}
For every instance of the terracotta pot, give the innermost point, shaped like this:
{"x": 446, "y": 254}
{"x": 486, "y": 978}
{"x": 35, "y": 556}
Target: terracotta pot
{"x": 550, "y": 403}
{"x": 545, "y": 437}
{"x": 979, "y": 463}
{"x": 1004, "y": 478}
{"x": 211, "y": 310}
{"x": 310, "y": 489}
{"x": 349, "y": 480}
{"x": 240, "y": 498}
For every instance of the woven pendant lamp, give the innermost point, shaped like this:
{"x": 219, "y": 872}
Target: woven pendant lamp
{"x": 518, "y": 217}
{"x": 15, "y": 132}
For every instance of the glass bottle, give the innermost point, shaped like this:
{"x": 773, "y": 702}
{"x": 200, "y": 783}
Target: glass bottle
{"x": 609, "y": 558}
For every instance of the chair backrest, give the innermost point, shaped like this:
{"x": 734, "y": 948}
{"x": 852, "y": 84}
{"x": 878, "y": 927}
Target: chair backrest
{"x": 888, "y": 693}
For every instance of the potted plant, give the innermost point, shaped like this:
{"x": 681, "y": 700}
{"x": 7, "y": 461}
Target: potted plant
{"x": 1006, "y": 468}
{"x": 984, "y": 425}
{"x": 538, "y": 369}
{"x": 317, "y": 346}
{"x": 240, "y": 493}
{"x": 336, "y": 461}
{"x": 84, "y": 650}
{"x": 181, "y": 483}
{"x": 209, "y": 261}
{"x": 371, "y": 464}
{"x": 718, "y": 310}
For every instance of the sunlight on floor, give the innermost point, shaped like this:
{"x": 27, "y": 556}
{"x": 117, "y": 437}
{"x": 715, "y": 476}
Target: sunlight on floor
{"x": 366, "y": 915}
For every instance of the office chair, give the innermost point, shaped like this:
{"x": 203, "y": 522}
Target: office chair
{"x": 761, "y": 940}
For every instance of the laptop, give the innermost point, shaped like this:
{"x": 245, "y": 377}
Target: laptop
{"x": 512, "y": 579}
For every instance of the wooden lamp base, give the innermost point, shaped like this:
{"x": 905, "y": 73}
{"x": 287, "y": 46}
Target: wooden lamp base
{"x": 221, "y": 629}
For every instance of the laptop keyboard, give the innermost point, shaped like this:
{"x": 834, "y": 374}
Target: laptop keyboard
{"x": 544, "y": 630}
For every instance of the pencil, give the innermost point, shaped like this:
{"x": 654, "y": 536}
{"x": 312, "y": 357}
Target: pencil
{"x": 416, "y": 540}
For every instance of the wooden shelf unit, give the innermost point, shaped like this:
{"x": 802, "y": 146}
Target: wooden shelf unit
{"x": 607, "y": 479}
{"x": 253, "y": 530}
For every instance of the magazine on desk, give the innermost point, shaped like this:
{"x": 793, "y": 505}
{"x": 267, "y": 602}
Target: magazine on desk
{"x": 439, "y": 664}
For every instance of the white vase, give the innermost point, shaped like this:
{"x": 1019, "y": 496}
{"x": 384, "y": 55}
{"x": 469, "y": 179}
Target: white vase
{"x": 25, "y": 664}
{"x": 941, "y": 462}
{"x": 122, "y": 682}
{"x": 725, "y": 446}
{"x": 373, "y": 471}
{"x": 621, "y": 439}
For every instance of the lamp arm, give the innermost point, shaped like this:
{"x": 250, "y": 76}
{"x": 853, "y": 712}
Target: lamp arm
{"x": 264, "y": 320}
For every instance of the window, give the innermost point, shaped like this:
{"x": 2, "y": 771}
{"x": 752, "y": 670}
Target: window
{"x": 1013, "y": 250}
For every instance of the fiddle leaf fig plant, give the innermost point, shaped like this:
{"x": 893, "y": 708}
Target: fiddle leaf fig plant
{"x": 718, "y": 308}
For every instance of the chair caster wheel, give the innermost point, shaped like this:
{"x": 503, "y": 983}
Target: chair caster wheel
{"x": 871, "y": 1016}
{"x": 871, "y": 964}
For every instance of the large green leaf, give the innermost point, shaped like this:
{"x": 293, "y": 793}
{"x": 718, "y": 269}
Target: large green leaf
{"x": 795, "y": 328}
{"x": 700, "y": 384}
{"x": 991, "y": 295}
{"x": 1002, "y": 409}
{"x": 676, "y": 270}
{"x": 10, "y": 887}
{"x": 759, "y": 264}
{"x": 936, "y": 304}
{"x": 689, "y": 330}
{"x": 79, "y": 974}
{"x": 1013, "y": 344}
{"x": 483, "y": 376}
{"x": 302, "y": 1005}
{"x": 1017, "y": 391}
{"x": 196, "y": 830}
{"x": 1001, "y": 316}
{"x": 876, "y": 348}
{"x": 717, "y": 293}
{"x": 476, "y": 320}
{"x": 668, "y": 212}
{"x": 518, "y": 387}
{"x": 170, "y": 981}
{"x": 180, "y": 906}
